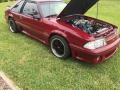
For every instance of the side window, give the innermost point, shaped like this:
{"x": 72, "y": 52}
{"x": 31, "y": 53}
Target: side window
{"x": 30, "y": 8}
{"x": 17, "y": 7}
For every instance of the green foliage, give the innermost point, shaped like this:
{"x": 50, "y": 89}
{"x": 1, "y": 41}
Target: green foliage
{"x": 33, "y": 67}
{"x": 3, "y": 0}
{"x": 6, "y": 0}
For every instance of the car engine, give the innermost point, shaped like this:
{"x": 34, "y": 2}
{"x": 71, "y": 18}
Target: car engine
{"x": 88, "y": 25}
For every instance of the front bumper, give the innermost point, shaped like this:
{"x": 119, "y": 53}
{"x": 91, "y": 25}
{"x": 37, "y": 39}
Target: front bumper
{"x": 98, "y": 55}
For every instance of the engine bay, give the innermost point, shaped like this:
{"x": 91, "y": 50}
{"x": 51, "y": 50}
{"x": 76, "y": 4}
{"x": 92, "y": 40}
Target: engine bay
{"x": 88, "y": 25}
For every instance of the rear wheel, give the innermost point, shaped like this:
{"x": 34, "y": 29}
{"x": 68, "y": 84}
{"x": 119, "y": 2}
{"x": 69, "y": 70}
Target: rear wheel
{"x": 59, "y": 47}
{"x": 12, "y": 26}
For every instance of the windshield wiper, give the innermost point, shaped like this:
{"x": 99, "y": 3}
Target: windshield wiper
{"x": 52, "y": 15}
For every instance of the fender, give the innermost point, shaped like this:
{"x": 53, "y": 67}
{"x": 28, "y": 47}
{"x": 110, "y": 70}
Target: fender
{"x": 10, "y": 15}
{"x": 58, "y": 32}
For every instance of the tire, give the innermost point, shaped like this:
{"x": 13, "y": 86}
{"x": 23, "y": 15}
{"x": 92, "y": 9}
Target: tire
{"x": 12, "y": 26}
{"x": 59, "y": 47}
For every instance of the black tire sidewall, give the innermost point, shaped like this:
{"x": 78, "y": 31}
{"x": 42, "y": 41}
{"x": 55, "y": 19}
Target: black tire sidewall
{"x": 15, "y": 30}
{"x": 66, "y": 46}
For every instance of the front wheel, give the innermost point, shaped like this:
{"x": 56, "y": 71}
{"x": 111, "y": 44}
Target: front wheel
{"x": 59, "y": 47}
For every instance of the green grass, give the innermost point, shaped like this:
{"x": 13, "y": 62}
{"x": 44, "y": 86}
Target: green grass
{"x": 31, "y": 65}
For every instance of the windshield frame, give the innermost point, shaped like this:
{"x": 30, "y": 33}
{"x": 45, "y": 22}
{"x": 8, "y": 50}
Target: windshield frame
{"x": 40, "y": 8}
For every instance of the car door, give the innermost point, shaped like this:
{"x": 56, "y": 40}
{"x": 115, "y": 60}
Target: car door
{"x": 15, "y": 12}
{"x": 31, "y": 21}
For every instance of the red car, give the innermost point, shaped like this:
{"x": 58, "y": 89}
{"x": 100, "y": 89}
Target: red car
{"x": 65, "y": 28}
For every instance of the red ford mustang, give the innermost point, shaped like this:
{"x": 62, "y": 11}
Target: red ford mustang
{"x": 65, "y": 28}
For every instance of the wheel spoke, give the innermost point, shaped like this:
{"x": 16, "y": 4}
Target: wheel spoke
{"x": 58, "y": 47}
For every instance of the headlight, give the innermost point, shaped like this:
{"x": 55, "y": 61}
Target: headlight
{"x": 95, "y": 44}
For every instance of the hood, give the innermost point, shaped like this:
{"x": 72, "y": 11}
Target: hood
{"x": 77, "y": 7}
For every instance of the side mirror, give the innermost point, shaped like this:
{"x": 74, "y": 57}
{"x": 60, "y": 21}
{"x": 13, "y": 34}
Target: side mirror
{"x": 35, "y": 14}
{"x": 36, "y": 17}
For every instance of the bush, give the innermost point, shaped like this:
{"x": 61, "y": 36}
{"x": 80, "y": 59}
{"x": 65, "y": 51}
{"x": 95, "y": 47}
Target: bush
{"x": 0, "y": 1}
{"x": 5, "y": 0}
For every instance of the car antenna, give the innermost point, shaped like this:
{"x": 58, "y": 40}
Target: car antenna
{"x": 97, "y": 9}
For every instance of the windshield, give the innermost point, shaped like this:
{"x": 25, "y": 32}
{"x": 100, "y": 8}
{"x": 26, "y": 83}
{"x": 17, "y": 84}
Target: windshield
{"x": 52, "y": 8}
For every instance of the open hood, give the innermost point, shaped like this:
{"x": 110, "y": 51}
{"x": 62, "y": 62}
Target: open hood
{"x": 77, "y": 7}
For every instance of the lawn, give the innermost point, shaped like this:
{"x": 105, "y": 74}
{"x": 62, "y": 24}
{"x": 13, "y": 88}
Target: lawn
{"x": 31, "y": 65}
